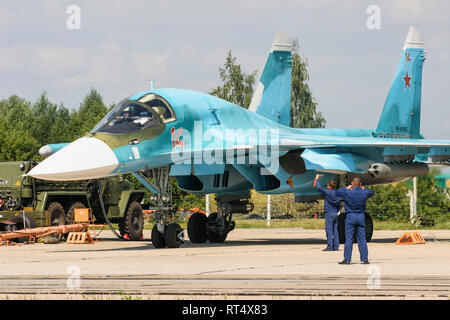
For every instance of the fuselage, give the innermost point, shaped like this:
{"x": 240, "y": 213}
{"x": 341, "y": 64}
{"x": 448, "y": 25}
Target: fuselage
{"x": 195, "y": 133}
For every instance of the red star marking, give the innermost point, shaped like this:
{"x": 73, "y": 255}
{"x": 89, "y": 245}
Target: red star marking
{"x": 407, "y": 79}
{"x": 408, "y": 59}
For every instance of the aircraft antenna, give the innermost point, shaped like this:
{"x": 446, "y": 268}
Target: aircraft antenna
{"x": 152, "y": 83}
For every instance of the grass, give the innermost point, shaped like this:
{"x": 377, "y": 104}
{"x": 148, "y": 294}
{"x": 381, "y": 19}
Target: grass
{"x": 281, "y": 223}
{"x": 320, "y": 224}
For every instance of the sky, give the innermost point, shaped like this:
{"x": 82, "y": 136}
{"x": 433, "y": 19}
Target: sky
{"x": 120, "y": 45}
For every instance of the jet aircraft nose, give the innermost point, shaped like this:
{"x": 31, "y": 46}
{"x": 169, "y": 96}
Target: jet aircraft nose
{"x": 85, "y": 158}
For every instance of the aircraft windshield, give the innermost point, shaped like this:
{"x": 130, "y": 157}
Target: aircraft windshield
{"x": 129, "y": 116}
{"x": 160, "y": 106}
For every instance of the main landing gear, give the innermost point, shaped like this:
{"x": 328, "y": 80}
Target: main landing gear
{"x": 216, "y": 226}
{"x": 213, "y": 228}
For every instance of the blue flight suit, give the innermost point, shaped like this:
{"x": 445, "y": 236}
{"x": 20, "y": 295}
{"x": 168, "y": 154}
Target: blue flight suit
{"x": 355, "y": 206}
{"x": 330, "y": 207}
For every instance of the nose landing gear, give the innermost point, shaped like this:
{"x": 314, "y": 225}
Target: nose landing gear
{"x": 164, "y": 234}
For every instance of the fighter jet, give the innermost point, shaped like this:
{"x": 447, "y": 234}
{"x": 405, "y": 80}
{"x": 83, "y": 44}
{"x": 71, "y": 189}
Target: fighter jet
{"x": 210, "y": 145}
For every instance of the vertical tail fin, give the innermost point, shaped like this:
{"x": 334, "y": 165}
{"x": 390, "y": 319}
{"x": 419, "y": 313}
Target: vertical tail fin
{"x": 401, "y": 113}
{"x": 272, "y": 97}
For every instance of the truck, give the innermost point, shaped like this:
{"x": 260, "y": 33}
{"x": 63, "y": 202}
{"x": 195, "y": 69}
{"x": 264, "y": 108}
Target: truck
{"x": 26, "y": 202}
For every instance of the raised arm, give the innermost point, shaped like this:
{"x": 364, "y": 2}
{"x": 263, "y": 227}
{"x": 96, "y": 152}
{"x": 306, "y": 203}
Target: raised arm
{"x": 318, "y": 185}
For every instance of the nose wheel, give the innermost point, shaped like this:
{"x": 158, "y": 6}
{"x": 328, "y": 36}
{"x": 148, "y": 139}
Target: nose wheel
{"x": 174, "y": 235}
{"x": 170, "y": 236}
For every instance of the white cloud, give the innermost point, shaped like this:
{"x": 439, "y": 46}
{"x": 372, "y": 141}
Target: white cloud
{"x": 110, "y": 64}
{"x": 56, "y": 60}
{"x": 13, "y": 57}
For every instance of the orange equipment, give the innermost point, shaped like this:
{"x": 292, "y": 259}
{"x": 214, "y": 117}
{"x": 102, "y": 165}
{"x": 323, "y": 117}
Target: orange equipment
{"x": 32, "y": 234}
{"x": 79, "y": 238}
{"x": 411, "y": 238}
{"x": 191, "y": 211}
{"x": 82, "y": 215}
{"x": 148, "y": 213}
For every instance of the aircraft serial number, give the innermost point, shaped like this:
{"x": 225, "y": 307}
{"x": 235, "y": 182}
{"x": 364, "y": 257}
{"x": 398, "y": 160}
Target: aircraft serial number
{"x": 394, "y": 135}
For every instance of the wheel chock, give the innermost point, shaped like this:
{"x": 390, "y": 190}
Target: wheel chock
{"x": 411, "y": 238}
{"x": 126, "y": 236}
{"x": 79, "y": 238}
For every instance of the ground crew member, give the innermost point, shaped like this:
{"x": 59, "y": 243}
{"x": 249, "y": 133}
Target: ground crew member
{"x": 331, "y": 206}
{"x": 355, "y": 198}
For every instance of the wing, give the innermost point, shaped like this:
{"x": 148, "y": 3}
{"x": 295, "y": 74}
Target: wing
{"x": 347, "y": 154}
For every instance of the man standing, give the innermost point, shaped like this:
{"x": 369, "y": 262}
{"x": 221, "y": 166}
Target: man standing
{"x": 355, "y": 198}
{"x": 331, "y": 208}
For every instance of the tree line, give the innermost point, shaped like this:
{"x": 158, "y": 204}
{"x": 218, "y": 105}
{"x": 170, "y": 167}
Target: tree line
{"x": 27, "y": 126}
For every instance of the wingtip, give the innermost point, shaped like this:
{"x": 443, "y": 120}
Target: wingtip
{"x": 282, "y": 42}
{"x": 414, "y": 39}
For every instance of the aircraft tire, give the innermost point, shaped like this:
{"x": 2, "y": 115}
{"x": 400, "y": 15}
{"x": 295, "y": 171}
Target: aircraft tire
{"x": 341, "y": 228}
{"x": 217, "y": 238}
{"x": 214, "y": 237}
{"x": 157, "y": 238}
{"x": 171, "y": 235}
{"x": 369, "y": 227}
{"x": 133, "y": 222}
{"x": 196, "y": 228}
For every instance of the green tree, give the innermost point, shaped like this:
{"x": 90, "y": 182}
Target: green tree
{"x": 16, "y": 144}
{"x": 49, "y": 122}
{"x": 59, "y": 131}
{"x": 184, "y": 200}
{"x": 237, "y": 86}
{"x": 304, "y": 112}
{"x": 15, "y": 112}
{"x": 91, "y": 111}
{"x": 431, "y": 200}
{"x": 389, "y": 202}
{"x": 16, "y": 141}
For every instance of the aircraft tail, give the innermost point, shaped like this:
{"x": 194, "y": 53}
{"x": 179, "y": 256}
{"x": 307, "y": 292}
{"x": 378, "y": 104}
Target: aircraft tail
{"x": 272, "y": 97}
{"x": 400, "y": 117}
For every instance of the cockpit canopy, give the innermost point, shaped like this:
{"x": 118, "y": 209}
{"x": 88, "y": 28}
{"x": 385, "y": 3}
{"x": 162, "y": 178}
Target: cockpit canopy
{"x": 130, "y": 116}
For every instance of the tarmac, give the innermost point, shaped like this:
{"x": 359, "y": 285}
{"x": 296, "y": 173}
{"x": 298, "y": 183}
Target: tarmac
{"x": 251, "y": 264}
